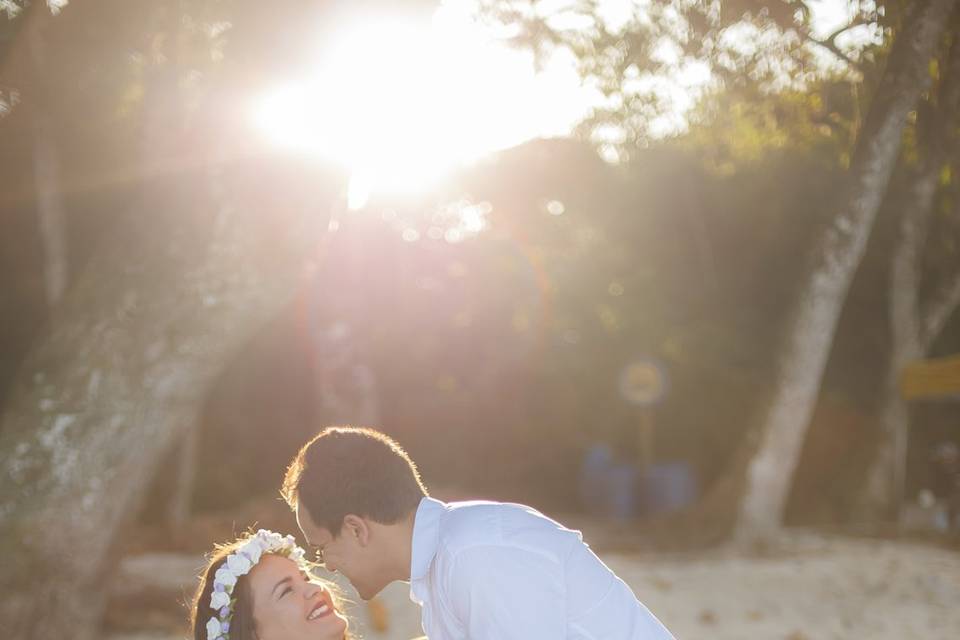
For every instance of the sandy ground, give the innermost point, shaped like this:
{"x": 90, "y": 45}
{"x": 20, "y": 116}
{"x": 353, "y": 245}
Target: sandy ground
{"x": 813, "y": 588}
{"x": 821, "y": 589}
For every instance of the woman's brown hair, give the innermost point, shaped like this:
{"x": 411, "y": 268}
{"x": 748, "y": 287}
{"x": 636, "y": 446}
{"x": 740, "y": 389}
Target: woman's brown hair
{"x": 242, "y": 625}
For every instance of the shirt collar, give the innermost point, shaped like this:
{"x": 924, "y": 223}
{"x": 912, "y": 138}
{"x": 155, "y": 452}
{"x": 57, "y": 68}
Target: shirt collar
{"x": 426, "y": 538}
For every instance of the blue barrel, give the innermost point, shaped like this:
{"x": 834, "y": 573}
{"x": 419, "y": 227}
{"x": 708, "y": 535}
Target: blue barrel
{"x": 593, "y": 477}
{"x": 668, "y": 486}
{"x": 622, "y": 491}
{"x": 608, "y": 488}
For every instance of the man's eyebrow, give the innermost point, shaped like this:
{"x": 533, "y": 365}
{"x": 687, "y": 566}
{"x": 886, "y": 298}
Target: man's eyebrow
{"x": 287, "y": 579}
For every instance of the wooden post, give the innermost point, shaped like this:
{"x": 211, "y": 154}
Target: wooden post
{"x": 646, "y": 438}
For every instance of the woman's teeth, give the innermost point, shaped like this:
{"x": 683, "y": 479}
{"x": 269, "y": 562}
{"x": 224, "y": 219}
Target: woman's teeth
{"x": 322, "y": 610}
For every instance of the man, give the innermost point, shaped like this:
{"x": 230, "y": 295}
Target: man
{"x": 479, "y": 570}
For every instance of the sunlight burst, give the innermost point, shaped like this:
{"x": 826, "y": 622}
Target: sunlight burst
{"x": 402, "y": 105}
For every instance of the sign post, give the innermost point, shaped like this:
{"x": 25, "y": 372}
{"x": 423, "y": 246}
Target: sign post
{"x": 643, "y": 383}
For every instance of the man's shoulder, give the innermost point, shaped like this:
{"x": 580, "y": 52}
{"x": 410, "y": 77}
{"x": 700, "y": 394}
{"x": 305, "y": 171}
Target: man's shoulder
{"x": 471, "y": 522}
{"x": 475, "y": 524}
{"x": 463, "y": 517}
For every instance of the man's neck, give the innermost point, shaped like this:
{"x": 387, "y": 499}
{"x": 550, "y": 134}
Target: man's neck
{"x": 398, "y": 544}
{"x": 405, "y": 545}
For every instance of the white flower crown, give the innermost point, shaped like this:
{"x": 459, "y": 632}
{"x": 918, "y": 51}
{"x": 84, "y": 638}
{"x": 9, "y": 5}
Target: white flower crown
{"x": 240, "y": 563}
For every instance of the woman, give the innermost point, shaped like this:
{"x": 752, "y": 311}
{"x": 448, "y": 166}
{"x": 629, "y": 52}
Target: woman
{"x": 260, "y": 588}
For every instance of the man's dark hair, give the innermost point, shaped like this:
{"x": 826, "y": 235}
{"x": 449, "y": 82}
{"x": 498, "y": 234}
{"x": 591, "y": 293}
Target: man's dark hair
{"x": 350, "y": 470}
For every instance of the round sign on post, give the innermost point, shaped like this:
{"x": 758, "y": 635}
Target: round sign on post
{"x": 644, "y": 383}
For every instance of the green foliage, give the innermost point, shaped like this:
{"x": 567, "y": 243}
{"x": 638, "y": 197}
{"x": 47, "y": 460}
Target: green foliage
{"x": 741, "y": 127}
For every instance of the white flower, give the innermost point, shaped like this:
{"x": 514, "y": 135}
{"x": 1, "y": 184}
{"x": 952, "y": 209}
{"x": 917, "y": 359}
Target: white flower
{"x": 225, "y": 577}
{"x": 219, "y": 599}
{"x": 238, "y": 564}
{"x": 270, "y": 539}
{"x": 253, "y": 550}
{"x": 213, "y": 629}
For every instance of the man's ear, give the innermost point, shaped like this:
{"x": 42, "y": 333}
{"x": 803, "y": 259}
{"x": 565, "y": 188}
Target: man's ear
{"x": 357, "y": 528}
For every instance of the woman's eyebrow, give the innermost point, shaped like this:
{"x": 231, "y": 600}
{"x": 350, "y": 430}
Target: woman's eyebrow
{"x": 284, "y": 580}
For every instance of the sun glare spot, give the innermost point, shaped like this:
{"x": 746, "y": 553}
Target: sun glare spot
{"x": 358, "y": 191}
{"x": 401, "y": 105}
{"x": 555, "y": 208}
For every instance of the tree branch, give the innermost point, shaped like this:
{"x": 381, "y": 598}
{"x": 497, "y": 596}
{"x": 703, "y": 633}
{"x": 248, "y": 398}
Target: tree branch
{"x": 937, "y": 313}
{"x": 832, "y": 38}
{"x": 830, "y": 43}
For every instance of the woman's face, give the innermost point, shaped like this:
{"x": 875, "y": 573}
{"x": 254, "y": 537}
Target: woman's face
{"x": 286, "y": 606}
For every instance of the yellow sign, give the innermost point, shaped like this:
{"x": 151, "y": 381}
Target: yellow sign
{"x": 936, "y": 378}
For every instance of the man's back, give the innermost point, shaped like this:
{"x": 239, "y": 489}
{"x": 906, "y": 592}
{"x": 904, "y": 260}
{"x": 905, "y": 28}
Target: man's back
{"x": 485, "y": 571}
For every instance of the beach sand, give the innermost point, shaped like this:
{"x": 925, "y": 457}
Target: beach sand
{"x": 813, "y": 587}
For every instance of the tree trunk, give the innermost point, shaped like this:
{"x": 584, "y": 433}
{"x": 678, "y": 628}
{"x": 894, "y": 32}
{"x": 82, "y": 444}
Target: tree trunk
{"x": 885, "y": 479}
{"x": 123, "y": 372}
{"x": 51, "y": 215}
{"x": 178, "y": 508}
{"x": 912, "y": 330}
{"x": 833, "y": 264}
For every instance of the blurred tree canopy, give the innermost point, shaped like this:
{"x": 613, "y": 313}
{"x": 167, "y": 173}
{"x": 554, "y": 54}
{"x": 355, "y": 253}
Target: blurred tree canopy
{"x": 756, "y": 50}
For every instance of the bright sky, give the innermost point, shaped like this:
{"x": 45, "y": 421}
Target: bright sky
{"x": 401, "y": 105}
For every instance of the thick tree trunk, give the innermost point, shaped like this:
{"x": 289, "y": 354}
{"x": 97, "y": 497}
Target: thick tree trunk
{"x": 121, "y": 373}
{"x": 120, "y": 377}
{"x": 833, "y": 264}
{"x": 140, "y": 338}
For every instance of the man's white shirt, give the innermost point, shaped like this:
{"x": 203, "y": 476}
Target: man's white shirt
{"x": 495, "y": 571}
